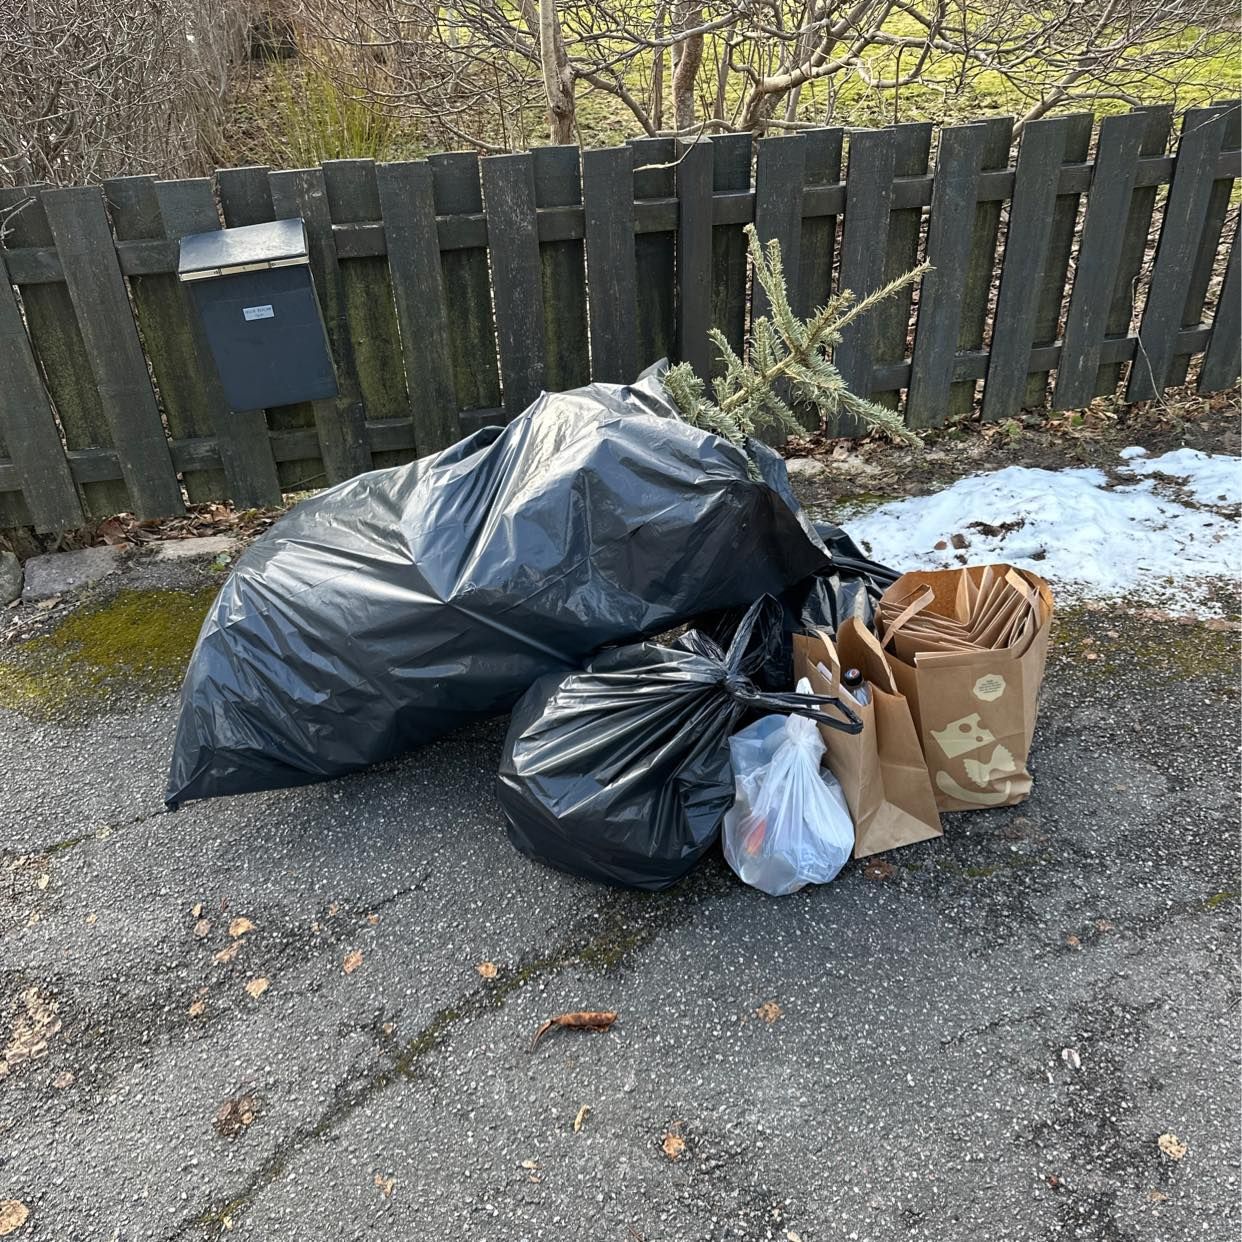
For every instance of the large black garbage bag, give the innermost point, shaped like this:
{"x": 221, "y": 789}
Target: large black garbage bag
{"x": 621, "y": 772}
{"x": 393, "y": 608}
{"x": 850, "y": 586}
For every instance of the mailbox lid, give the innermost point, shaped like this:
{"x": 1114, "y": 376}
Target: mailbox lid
{"x": 249, "y": 248}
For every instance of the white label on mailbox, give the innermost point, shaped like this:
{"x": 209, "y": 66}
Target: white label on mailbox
{"x": 258, "y": 312}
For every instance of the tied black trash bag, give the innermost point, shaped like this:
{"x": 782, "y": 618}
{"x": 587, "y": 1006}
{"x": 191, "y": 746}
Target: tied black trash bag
{"x": 850, "y": 586}
{"x": 400, "y": 605}
{"x": 621, "y": 772}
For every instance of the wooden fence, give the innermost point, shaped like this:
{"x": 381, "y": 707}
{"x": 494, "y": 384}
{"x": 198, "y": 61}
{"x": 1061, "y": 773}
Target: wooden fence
{"x": 455, "y": 288}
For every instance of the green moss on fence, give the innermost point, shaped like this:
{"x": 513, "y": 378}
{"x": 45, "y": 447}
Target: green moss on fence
{"x": 137, "y": 641}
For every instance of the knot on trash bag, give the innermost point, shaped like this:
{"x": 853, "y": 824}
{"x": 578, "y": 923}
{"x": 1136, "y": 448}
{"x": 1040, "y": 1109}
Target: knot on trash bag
{"x": 744, "y": 691}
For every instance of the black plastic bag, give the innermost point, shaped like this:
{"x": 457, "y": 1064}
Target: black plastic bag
{"x": 395, "y": 607}
{"x": 850, "y": 586}
{"x": 621, "y": 772}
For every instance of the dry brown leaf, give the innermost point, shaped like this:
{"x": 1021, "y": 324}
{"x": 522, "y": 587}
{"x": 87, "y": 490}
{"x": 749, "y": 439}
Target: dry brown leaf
{"x": 372, "y": 919}
{"x": 1172, "y": 1146}
{"x": 582, "y": 1020}
{"x": 228, "y": 953}
{"x": 487, "y": 969}
{"x": 769, "y": 1011}
{"x": 673, "y": 1145}
{"x": 353, "y": 959}
{"x": 530, "y": 1164}
{"x": 583, "y": 1113}
{"x": 334, "y": 909}
{"x": 1072, "y": 941}
{"x": 196, "y": 910}
{"x": 878, "y": 869}
{"x": 240, "y": 926}
{"x": 1103, "y": 925}
{"x": 388, "y": 1028}
{"x": 1157, "y": 1196}
{"x": 13, "y": 1215}
{"x": 197, "y": 1008}
{"x": 385, "y": 1184}
{"x": 31, "y": 1030}
{"x": 90, "y": 918}
{"x": 256, "y": 987}
{"x": 202, "y": 928}
{"x": 42, "y": 881}
{"x": 63, "y": 1080}
{"x": 233, "y": 1116}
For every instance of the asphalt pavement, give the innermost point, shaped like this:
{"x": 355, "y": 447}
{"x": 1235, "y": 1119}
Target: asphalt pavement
{"x": 308, "y": 1014}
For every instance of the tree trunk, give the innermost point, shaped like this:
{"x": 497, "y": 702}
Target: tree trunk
{"x": 687, "y": 70}
{"x": 558, "y": 78}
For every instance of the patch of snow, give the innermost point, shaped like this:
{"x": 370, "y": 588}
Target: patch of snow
{"x": 1090, "y": 539}
{"x": 1135, "y": 450}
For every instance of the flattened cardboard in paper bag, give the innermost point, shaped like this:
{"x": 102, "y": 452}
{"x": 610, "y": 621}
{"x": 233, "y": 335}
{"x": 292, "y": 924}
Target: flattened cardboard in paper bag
{"x": 881, "y": 769}
{"x": 975, "y": 710}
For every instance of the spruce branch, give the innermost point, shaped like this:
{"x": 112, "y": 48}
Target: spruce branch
{"x": 787, "y": 358}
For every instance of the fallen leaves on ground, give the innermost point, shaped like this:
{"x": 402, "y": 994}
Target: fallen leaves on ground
{"x": 202, "y": 928}
{"x": 42, "y": 881}
{"x": 1172, "y": 1146}
{"x": 90, "y": 918}
{"x": 334, "y": 909}
{"x": 64, "y": 1080}
{"x": 581, "y": 1020}
{"x": 197, "y": 1008}
{"x": 487, "y": 969}
{"x": 13, "y": 1215}
{"x": 256, "y": 987}
{"x": 1157, "y": 1196}
{"x": 1103, "y": 925}
{"x": 233, "y": 1116}
{"x": 353, "y": 959}
{"x": 196, "y": 910}
{"x": 673, "y": 1145}
{"x": 372, "y": 919}
{"x": 583, "y": 1113}
{"x": 878, "y": 869}
{"x": 1073, "y": 941}
{"x": 1071, "y": 1058}
{"x": 35, "y": 1023}
{"x": 240, "y": 926}
{"x": 769, "y": 1011}
{"x": 385, "y": 1185}
{"x": 228, "y": 953}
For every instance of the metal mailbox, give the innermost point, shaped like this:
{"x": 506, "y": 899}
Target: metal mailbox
{"x": 254, "y": 294}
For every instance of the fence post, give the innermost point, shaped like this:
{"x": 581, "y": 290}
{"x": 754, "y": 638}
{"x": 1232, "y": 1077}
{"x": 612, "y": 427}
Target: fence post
{"x": 694, "y": 255}
{"x": 608, "y": 209}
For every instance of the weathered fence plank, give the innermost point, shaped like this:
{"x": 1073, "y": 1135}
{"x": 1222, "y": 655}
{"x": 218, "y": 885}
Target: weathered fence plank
{"x": 780, "y": 171}
{"x": 28, "y": 426}
{"x": 407, "y": 202}
{"x": 509, "y": 196}
{"x": 655, "y": 178}
{"x": 817, "y": 247}
{"x": 1133, "y": 247}
{"x": 1185, "y": 214}
{"x": 1099, "y": 256}
{"x": 730, "y": 175}
{"x": 558, "y": 183}
{"x": 694, "y": 256}
{"x": 608, "y": 201}
{"x": 184, "y": 385}
{"x": 1050, "y": 294}
{"x": 950, "y": 234}
{"x": 79, "y": 225}
{"x": 869, "y": 196}
{"x": 978, "y": 291}
{"x": 1026, "y": 254}
{"x": 58, "y": 345}
{"x": 371, "y": 319}
{"x": 891, "y": 329}
{"x": 339, "y": 420}
{"x": 1223, "y": 359}
{"x": 467, "y": 286}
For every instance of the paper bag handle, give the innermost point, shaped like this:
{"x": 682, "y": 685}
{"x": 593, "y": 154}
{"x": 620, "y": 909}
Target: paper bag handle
{"x": 918, "y": 604}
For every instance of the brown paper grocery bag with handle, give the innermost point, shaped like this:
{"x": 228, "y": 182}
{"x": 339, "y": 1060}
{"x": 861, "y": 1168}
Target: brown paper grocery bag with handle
{"x": 974, "y": 708}
{"x": 881, "y": 769}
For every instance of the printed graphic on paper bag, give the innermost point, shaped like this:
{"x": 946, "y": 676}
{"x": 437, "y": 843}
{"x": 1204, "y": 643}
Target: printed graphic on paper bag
{"x": 258, "y": 312}
{"x": 1000, "y": 763}
{"x": 959, "y": 736}
{"x": 946, "y": 784}
{"x": 989, "y": 687}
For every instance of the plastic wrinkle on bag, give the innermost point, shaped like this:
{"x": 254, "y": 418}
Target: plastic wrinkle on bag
{"x": 621, "y": 772}
{"x": 405, "y": 603}
{"x": 789, "y": 825}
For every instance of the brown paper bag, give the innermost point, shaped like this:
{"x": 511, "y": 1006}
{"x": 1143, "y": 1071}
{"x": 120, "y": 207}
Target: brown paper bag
{"x": 881, "y": 769}
{"x": 975, "y": 709}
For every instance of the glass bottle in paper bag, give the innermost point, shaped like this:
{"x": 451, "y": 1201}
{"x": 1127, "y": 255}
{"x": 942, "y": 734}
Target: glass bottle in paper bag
{"x": 967, "y": 648}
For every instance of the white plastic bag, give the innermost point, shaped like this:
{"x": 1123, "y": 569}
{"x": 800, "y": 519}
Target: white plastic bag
{"x": 789, "y": 825}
